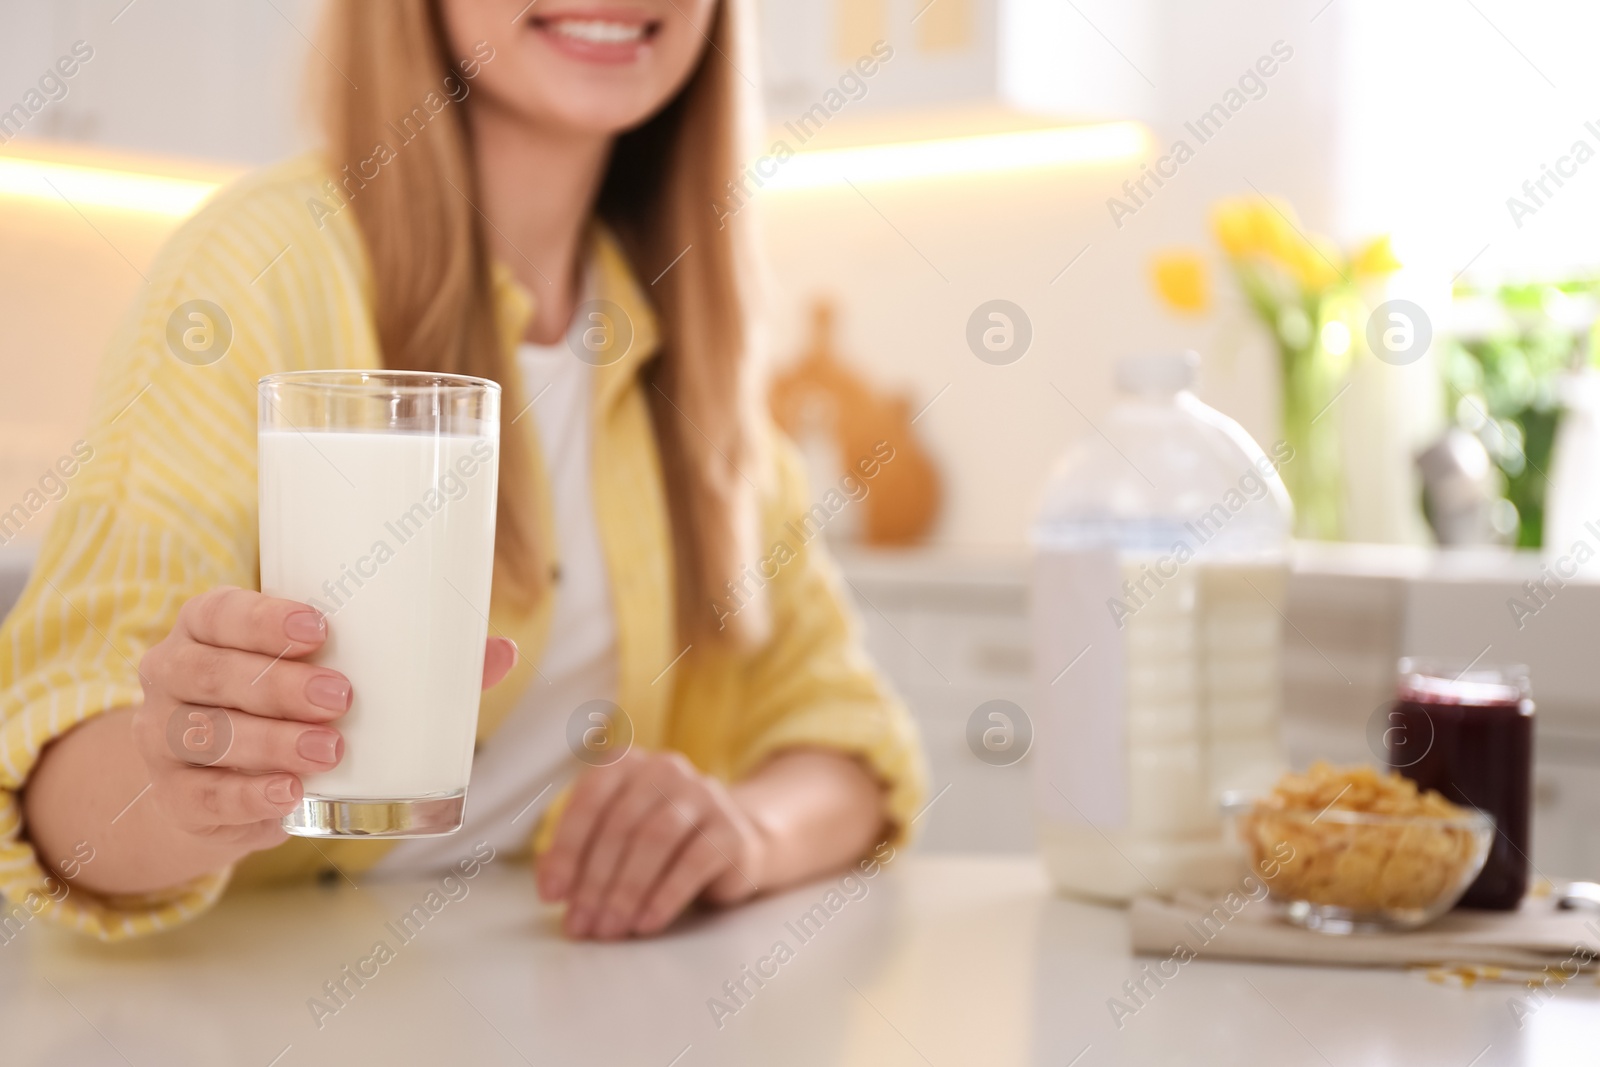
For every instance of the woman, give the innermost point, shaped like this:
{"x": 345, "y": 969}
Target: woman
{"x": 488, "y": 171}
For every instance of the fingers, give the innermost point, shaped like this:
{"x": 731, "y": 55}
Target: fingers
{"x": 603, "y": 858}
{"x": 639, "y": 840}
{"x": 217, "y": 737}
{"x": 249, "y": 681}
{"x": 595, "y": 791}
{"x": 230, "y": 719}
{"x": 203, "y": 798}
{"x": 227, "y": 617}
{"x": 691, "y": 871}
{"x": 499, "y": 656}
{"x": 659, "y": 838}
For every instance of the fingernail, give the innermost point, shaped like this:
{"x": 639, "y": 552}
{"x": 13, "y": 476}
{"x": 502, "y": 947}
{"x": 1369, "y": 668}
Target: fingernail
{"x": 322, "y": 746}
{"x": 578, "y": 921}
{"x": 280, "y": 791}
{"x": 329, "y": 691}
{"x": 307, "y": 627}
{"x": 555, "y": 887}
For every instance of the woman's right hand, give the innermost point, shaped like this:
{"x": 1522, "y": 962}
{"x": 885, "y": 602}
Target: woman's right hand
{"x": 231, "y": 717}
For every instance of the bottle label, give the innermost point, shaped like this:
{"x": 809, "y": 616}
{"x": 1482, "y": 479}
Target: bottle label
{"x": 1157, "y": 688}
{"x": 1081, "y": 774}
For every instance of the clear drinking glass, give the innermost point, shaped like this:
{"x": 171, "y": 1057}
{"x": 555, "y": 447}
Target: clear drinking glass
{"x": 377, "y": 508}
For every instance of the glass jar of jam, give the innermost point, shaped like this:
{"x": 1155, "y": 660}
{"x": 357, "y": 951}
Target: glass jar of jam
{"x": 1467, "y": 732}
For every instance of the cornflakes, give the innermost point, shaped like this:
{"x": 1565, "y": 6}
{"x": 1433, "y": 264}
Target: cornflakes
{"x": 1350, "y": 861}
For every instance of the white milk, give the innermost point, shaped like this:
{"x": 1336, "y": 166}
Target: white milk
{"x": 391, "y": 535}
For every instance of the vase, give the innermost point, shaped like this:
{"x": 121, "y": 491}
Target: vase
{"x": 1312, "y": 377}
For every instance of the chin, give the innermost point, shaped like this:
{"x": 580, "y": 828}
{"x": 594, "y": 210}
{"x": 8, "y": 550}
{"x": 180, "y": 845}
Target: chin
{"x": 610, "y": 112}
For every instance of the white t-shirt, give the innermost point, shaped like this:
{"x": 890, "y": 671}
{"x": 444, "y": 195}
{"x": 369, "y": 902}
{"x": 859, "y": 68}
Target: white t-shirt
{"x": 525, "y": 764}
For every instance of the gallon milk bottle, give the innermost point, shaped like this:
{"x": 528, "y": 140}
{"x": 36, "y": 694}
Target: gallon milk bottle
{"x": 1160, "y": 567}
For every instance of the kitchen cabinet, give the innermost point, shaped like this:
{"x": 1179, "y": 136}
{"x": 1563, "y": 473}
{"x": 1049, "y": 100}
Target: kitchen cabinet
{"x": 952, "y": 635}
{"x": 1083, "y": 60}
{"x": 183, "y": 78}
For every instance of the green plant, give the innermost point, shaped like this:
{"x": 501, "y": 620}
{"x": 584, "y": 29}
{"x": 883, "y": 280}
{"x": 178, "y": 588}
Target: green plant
{"x": 1503, "y": 385}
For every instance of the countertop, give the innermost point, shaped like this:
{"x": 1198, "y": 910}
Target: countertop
{"x": 934, "y": 961}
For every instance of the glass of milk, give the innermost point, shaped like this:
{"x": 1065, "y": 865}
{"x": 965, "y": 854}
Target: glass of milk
{"x": 378, "y": 509}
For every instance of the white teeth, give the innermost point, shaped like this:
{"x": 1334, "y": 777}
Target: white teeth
{"x": 596, "y": 32}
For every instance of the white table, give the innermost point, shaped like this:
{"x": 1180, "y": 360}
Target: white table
{"x": 945, "y": 960}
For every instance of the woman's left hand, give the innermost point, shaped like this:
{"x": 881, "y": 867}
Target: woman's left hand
{"x": 641, "y": 839}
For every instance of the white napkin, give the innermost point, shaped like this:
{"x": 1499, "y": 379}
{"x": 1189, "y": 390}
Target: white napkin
{"x": 1536, "y": 937}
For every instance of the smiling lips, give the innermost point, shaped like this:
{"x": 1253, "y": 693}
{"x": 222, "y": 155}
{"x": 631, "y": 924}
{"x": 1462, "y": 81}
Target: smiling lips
{"x": 594, "y": 36}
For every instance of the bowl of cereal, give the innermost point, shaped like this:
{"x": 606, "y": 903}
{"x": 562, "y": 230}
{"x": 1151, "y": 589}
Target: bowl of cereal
{"x": 1354, "y": 850}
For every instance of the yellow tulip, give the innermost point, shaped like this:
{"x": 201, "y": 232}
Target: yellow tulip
{"x": 1181, "y": 280}
{"x": 1281, "y": 234}
{"x": 1267, "y": 229}
{"x": 1233, "y": 224}
{"x": 1316, "y": 264}
{"x": 1375, "y": 259}
{"x": 1253, "y": 227}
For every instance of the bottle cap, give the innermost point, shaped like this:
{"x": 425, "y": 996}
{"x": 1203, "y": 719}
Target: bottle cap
{"x": 1157, "y": 373}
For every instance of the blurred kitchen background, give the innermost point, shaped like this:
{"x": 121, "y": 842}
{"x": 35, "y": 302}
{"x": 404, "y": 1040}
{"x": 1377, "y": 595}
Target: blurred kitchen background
{"x": 1378, "y": 223}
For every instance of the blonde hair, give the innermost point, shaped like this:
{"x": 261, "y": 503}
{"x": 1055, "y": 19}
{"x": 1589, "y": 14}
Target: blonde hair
{"x": 432, "y": 284}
